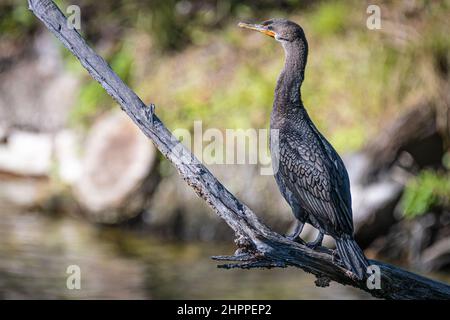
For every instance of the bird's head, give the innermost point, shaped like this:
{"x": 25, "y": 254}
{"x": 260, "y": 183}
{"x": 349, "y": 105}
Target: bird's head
{"x": 281, "y": 29}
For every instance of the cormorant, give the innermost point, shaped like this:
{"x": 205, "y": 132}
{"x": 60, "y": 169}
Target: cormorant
{"x": 310, "y": 174}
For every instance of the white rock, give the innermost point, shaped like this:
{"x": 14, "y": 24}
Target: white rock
{"x": 67, "y": 153}
{"x": 26, "y": 154}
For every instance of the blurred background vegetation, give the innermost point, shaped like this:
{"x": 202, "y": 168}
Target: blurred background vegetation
{"x": 189, "y": 58}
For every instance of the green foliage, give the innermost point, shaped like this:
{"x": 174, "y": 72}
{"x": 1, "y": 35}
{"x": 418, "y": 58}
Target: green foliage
{"x": 356, "y": 79}
{"x": 15, "y": 20}
{"x": 249, "y": 96}
{"x": 425, "y": 191}
{"x": 329, "y": 18}
{"x": 122, "y": 63}
{"x": 164, "y": 24}
{"x": 349, "y": 138}
{"x": 92, "y": 98}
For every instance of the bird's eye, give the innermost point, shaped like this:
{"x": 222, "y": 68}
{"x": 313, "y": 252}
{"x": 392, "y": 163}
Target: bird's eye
{"x": 269, "y": 27}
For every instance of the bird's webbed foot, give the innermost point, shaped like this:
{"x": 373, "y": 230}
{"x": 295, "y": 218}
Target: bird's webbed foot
{"x": 316, "y": 243}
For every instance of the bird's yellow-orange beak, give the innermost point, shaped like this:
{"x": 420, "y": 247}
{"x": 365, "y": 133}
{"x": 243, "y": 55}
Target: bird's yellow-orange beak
{"x": 257, "y": 27}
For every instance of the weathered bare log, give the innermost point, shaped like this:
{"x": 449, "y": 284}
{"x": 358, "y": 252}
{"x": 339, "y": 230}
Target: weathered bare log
{"x": 117, "y": 177}
{"x": 437, "y": 255}
{"x": 415, "y": 132}
{"x": 258, "y": 245}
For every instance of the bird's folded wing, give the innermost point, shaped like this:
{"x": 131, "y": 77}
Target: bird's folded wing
{"x": 307, "y": 170}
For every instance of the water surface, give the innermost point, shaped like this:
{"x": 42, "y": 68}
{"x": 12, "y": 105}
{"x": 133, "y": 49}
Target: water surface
{"x": 35, "y": 251}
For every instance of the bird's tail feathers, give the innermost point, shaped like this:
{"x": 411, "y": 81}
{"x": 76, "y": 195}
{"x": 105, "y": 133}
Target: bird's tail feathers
{"x": 352, "y": 256}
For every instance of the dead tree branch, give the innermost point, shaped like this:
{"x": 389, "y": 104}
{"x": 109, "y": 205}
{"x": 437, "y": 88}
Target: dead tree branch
{"x": 258, "y": 246}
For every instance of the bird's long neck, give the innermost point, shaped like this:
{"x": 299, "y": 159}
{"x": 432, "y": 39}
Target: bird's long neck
{"x": 287, "y": 92}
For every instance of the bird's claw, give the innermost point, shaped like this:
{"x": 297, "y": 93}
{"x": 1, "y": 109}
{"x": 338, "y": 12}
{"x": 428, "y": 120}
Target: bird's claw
{"x": 316, "y": 243}
{"x": 150, "y": 112}
{"x": 335, "y": 256}
{"x": 312, "y": 245}
{"x": 295, "y": 238}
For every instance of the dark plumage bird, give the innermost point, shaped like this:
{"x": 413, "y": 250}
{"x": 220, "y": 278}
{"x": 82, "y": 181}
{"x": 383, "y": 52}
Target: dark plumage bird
{"x": 310, "y": 174}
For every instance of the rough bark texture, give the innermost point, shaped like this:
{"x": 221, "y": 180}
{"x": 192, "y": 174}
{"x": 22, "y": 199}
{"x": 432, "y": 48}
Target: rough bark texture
{"x": 258, "y": 245}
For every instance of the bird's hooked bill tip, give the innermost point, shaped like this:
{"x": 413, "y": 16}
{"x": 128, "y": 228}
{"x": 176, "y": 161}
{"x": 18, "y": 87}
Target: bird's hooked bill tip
{"x": 257, "y": 27}
{"x": 250, "y": 26}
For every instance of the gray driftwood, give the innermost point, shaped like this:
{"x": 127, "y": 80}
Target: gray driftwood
{"x": 258, "y": 246}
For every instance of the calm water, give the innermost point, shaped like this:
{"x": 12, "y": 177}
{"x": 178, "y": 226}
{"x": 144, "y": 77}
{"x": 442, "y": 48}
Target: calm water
{"x": 35, "y": 252}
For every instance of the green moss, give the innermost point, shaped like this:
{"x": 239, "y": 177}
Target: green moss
{"x": 427, "y": 190}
